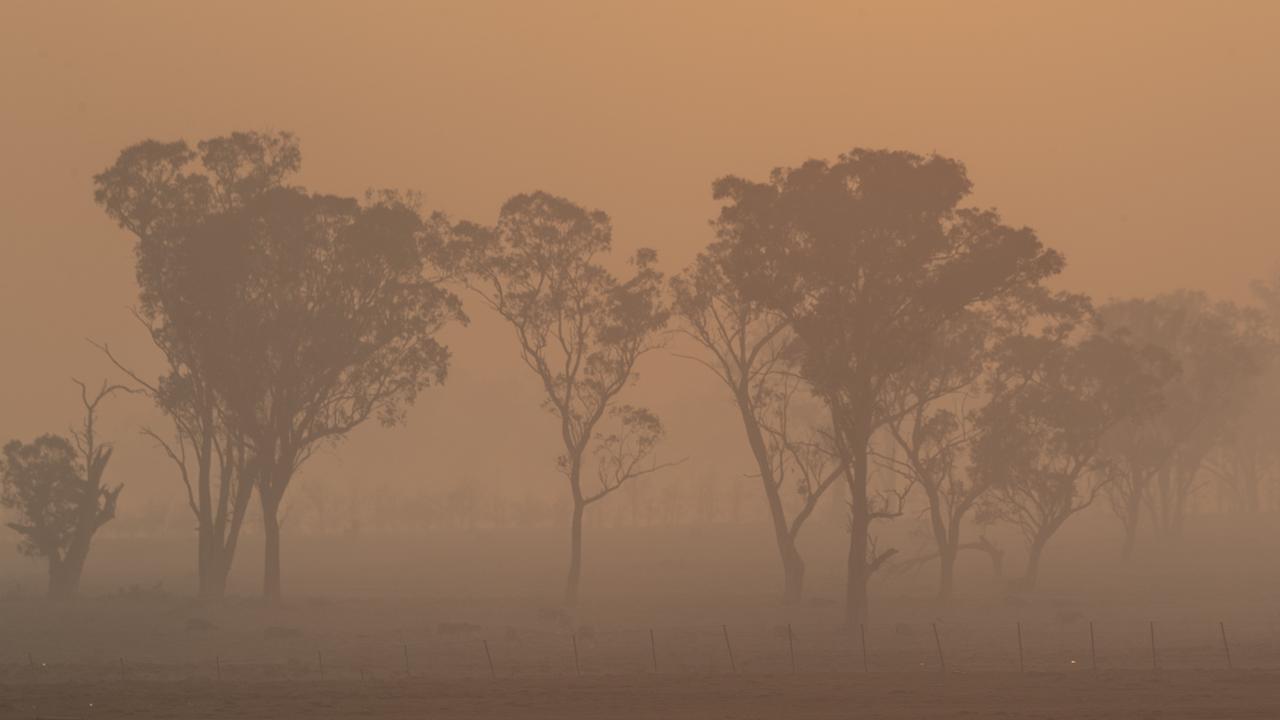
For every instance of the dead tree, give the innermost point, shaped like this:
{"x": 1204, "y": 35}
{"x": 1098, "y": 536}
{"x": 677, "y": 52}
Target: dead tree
{"x": 55, "y": 486}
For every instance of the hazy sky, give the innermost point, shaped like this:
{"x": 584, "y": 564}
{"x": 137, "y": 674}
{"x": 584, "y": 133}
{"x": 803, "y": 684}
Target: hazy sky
{"x": 1140, "y": 138}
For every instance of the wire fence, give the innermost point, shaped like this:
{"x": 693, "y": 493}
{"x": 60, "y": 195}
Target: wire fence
{"x": 500, "y": 653}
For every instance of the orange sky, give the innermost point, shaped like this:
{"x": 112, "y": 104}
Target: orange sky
{"x": 1138, "y": 137}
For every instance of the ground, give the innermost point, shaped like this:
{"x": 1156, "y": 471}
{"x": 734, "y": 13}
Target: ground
{"x": 432, "y": 630}
{"x": 1128, "y": 694}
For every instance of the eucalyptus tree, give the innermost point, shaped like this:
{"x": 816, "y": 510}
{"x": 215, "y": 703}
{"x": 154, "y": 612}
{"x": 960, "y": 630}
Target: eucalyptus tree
{"x": 866, "y": 258}
{"x": 1219, "y": 351}
{"x": 153, "y": 190}
{"x": 580, "y": 330}
{"x": 750, "y": 349}
{"x": 1042, "y": 448}
{"x": 289, "y": 318}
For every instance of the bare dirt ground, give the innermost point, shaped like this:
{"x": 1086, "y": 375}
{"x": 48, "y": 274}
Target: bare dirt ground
{"x": 1172, "y": 695}
{"x": 366, "y": 632}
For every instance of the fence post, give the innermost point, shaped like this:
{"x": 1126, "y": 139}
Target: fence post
{"x": 487, "y": 656}
{"x": 1155, "y": 664}
{"x": 732, "y": 664}
{"x": 937, "y": 639}
{"x": 1093, "y": 649}
{"x": 862, "y": 627}
{"x": 791, "y": 647}
{"x": 320, "y": 660}
{"x": 217, "y": 663}
{"x": 1223, "y": 629}
{"x": 1022, "y": 664}
{"x": 653, "y": 649}
{"x": 577, "y": 668}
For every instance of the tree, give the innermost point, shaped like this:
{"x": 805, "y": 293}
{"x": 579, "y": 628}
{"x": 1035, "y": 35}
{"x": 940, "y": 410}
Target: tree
{"x": 288, "y": 318}
{"x": 865, "y": 258}
{"x": 55, "y": 486}
{"x": 934, "y": 407}
{"x": 1246, "y": 462}
{"x": 1140, "y": 449}
{"x": 579, "y": 329}
{"x": 1219, "y": 351}
{"x": 750, "y": 349}
{"x": 937, "y": 402}
{"x": 153, "y": 190}
{"x": 315, "y": 314}
{"x": 1041, "y": 448}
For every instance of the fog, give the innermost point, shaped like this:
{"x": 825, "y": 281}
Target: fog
{"x": 1135, "y": 140}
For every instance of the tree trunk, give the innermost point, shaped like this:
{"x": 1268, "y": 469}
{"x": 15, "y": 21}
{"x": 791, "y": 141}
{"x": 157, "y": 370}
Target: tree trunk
{"x": 225, "y": 533}
{"x": 57, "y": 580}
{"x": 213, "y": 574}
{"x": 65, "y": 572}
{"x": 204, "y": 518}
{"x": 202, "y": 559}
{"x": 210, "y": 569}
{"x": 859, "y": 569}
{"x": 792, "y": 563}
{"x": 947, "y": 572}
{"x": 271, "y": 537}
{"x": 947, "y": 541}
{"x": 1131, "y": 518}
{"x": 1185, "y": 479}
{"x": 1033, "y": 564}
{"x": 792, "y": 574}
{"x": 575, "y": 554}
{"x": 1162, "y": 501}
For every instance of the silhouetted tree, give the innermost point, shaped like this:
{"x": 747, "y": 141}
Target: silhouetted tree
{"x": 937, "y": 401}
{"x": 1140, "y": 449}
{"x": 865, "y": 258}
{"x": 55, "y": 487}
{"x": 1041, "y": 447}
{"x": 746, "y": 345}
{"x": 317, "y": 315}
{"x": 1246, "y": 460}
{"x": 1218, "y": 350}
{"x": 302, "y": 315}
{"x": 578, "y": 328}
{"x": 153, "y": 191}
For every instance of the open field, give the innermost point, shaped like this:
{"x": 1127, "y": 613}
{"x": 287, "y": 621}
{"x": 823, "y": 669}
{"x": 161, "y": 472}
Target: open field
{"x": 369, "y": 633}
{"x": 1165, "y": 695}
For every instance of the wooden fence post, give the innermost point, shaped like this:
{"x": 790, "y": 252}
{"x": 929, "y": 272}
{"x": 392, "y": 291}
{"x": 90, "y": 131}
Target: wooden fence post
{"x": 653, "y": 650}
{"x": 937, "y": 639}
{"x": 791, "y": 647}
{"x": 577, "y": 668}
{"x": 862, "y": 628}
{"x": 732, "y": 664}
{"x": 1093, "y": 649}
{"x": 1022, "y": 663}
{"x": 1225, "y": 646}
{"x": 488, "y": 656}
{"x": 1155, "y": 663}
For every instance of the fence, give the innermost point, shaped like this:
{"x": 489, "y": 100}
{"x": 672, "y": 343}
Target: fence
{"x": 939, "y": 647}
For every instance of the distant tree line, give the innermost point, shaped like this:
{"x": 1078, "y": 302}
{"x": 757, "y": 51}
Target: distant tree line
{"x": 859, "y": 316}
